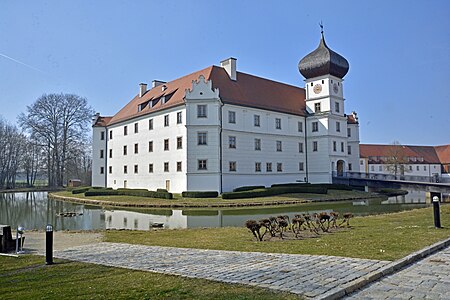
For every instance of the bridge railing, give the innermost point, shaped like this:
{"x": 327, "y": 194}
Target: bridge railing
{"x": 377, "y": 176}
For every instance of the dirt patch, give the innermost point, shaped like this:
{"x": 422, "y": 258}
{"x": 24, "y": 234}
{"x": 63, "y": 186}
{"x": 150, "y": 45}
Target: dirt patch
{"x": 35, "y": 240}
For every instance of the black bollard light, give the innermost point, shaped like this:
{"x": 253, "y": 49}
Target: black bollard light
{"x": 437, "y": 215}
{"x": 49, "y": 245}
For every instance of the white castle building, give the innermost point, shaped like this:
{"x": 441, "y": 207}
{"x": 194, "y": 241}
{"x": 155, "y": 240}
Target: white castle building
{"x": 218, "y": 129}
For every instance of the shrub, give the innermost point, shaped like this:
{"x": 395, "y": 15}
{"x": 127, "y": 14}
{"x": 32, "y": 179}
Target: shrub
{"x": 161, "y": 190}
{"x": 129, "y": 192}
{"x": 392, "y": 192}
{"x": 249, "y": 188}
{"x": 277, "y": 190}
{"x": 335, "y": 186}
{"x": 200, "y": 194}
{"x": 292, "y": 184}
{"x": 99, "y": 192}
{"x": 80, "y": 190}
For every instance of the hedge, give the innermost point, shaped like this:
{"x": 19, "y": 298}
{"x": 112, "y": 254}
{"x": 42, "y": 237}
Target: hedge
{"x": 80, "y": 190}
{"x": 277, "y": 190}
{"x": 129, "y": 192}
{"x": 161, "y": 190}
{"x": 292, "y": 184}
{"x": 248, "y": 188}
{"x": 335, "y": 186}
{"x": 200, "y": 194}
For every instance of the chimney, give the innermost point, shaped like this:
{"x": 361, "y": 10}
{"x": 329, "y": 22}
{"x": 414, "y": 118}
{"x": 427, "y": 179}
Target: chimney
{"x": 142, "y": 89}
{"x": 95, "y": 118}
{"x": 155, "y": 83}
{"x": 230, "y": 66}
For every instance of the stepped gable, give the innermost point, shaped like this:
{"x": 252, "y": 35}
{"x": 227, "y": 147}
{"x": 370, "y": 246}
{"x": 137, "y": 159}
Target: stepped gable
{"x": 247, "y": 90}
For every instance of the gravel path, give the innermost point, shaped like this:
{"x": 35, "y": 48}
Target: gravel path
{"x": 309, "y": 275}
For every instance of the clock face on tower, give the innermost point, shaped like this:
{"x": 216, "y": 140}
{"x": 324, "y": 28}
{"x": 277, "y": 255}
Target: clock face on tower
{"x": 335, "y": 88}
{"x": 317, "y": 88}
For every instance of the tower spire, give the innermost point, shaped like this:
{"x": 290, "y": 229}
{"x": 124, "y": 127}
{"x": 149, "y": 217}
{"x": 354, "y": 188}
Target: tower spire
{"x": 321, "y": 27}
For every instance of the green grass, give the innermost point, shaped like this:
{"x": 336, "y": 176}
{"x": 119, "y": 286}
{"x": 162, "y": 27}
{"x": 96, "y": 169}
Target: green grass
{"x": 383, "y": 237}
{"x": 28, "y": 278}
{"x": 208, "y": 202}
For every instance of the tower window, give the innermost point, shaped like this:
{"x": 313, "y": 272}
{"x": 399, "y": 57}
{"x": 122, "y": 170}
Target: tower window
{"x": 257, "y": 167}
{"x": 102, "y": 170}
{"x": 336, "y": 106}
{"x": 201, "y": 111}
{"x": 349, "y": 132}
{"x": 315, "y": 146}
{"x": 232, "y": 142}
{"x": 102, "y": 135}
{"x": 342, "y": 146}
{"x": 279, "y": 146}
{"x": 202, "y": 138}
{"x": 232, "y": 117}
{"x": 338, "y": 127}
{"x": 279, "y": 167}
{"x": 268, "y": 167}
{"x": 101, "y": 153}
{"x": 349, "y": 150}
{"x": 256, "y": 120}
{"x": 334, "y": 146}
{"x": 315, "y": 126}
{"x": 301, "y": 166}
{"x": 232, "y": 166}
{"x": 300, "y": 126}
{"x": 202, "y": 164}
{"x": 278, "y": 123}
{"x": 257, "y": 144}
{"x": 317, "y": 107}
{"x": 300, "y": 147}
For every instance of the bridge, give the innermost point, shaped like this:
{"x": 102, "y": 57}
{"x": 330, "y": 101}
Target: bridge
{"x": 435, "y": 188}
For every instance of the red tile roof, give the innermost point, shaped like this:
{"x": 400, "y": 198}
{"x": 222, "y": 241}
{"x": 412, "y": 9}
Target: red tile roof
{"x": 351, "y": 119}
{"x": 430, "y": 154}
{"x": 247, "y": 90}
{"x": 102, "y": 121}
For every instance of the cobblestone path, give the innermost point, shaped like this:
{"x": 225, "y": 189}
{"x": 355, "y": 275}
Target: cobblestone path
{"x": 426, "y": 279}
{"x": 309, "y": 275}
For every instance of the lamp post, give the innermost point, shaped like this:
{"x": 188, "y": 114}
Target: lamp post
{"x": 19, "y": 239}
{"x": 49, "y": 245}
{"x": 437, "y": 216}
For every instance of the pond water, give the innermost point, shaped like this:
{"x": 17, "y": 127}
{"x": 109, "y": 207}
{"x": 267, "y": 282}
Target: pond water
{"x": 34, "y": 211}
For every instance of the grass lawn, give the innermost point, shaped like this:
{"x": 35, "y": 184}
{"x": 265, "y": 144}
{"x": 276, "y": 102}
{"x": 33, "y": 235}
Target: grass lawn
{"x": 208, "y": 202}
{"x": 28, "y": 278}
{"x": 383, "y": 237}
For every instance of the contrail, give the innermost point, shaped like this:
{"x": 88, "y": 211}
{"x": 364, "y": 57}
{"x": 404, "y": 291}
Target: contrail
{"x": 22, "y": 63}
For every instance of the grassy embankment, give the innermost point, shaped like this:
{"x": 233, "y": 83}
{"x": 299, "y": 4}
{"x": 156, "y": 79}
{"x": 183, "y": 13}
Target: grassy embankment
{"x": 28, "y": 278}
{"x": 179, "y": 201}
{"x": 383, "y": 237}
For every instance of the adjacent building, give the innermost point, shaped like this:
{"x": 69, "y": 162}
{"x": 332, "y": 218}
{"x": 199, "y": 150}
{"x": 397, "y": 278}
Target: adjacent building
{"x": 218, "y": 129}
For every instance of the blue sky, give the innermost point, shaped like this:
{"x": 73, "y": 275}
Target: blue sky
{"x": 398, "y": 53}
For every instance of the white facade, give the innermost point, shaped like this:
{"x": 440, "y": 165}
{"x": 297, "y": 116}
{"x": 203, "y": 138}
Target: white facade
{"x": 224, "y": 146}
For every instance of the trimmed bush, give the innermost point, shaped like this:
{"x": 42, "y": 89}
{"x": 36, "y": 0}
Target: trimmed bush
{"x": 80, "y": 190}
{"x": 248, "y": 188}
{"x": 292, "y": 184}
{"x": 161, "y": 190}
{"x": 392, "y": 192}
{"x": 277, "y": 190}
{"x": 200, "y": 194}
{"x": 129, "y": 192}
{"x": 335, "y": 186}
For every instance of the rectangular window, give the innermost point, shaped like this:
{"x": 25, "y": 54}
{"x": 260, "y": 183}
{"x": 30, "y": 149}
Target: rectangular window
{"x": 315, "y": 146}
{"x": 258, "y": 144}
{"x": 380, "y": 168}
{"x": 277, "y": 123}
{"x": 315, "y": 126}
{"x": 350, "y": 167}
{"x": 334, "y": 146}
{"x": 166, "y": 166}
{"x": 317, "y": 107}
{"x": 179, "y": 142}
{"x": 424, "y": 168}
{"x": 166, "y": 145}
{"x": 102, "y": 170}
{"x": 110, "y": 135}
{"x": 125, "y": 130}
{"x": 349, "y": 132}
{"x": 136, "y": 148}
{"x": 202, "y": 164}
{"x": 202, "y": 138}
{"x": 338, "y": 127}
{"x": 257, "y": 167}
{"x": 102, "y": 135}
{"x": 166, "y": 120}
{"x": 300, "y": 147}
{"x": 342, "y": 146}
{"x": 349, "y": 150}
{"x": 178, "y": 166}
{"x": 256, "y": 120}
{"x": 150, "y": 124}
{"x": 410, "y": 168}
{"x": 179, "y": 117}
{"x": 232, "y": 117}
{"x": 125, "y": 150}
{"x": 301, "y": 166}
{"x": 361, "y": 162}
{"x": 232, "y": 166}
{"x": 150, "y": 168}
{"x": 110, "y": 169}
{"x": 150, "y": 146}
{"x": 201, "y": 111}
{"x": 372, "y": 168}
{"x": 279, "y": 146}
{"x": 279, "y": 167}
{"x": 136, "y": 169}
{"x": 136, "y": 127}
{"x": 232, "y": 142}
{"x": 417, "y": 168}
{"x": 300, "y": 126}
{"x": 101, "y": 154}
{"x": 268, "y": 167}
{"x": 336, "y": 106}
{"x": 125, "y": 169}
{"x": 110, "y": 153}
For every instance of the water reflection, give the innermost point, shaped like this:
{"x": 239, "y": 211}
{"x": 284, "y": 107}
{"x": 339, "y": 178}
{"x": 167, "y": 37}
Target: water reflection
{"x": 35, "y": 210}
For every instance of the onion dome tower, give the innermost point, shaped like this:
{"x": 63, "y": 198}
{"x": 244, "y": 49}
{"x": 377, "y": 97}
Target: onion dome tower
{"x": 323, "y": 61}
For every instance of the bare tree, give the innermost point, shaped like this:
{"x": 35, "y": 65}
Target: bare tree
{"x": 12, "y": 146}
{"x": 396, "y": 159}
{"x": 58, "y": 122}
